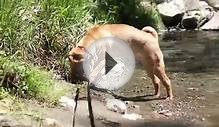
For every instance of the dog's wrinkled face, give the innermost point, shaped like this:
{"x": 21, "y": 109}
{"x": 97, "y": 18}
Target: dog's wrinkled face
{"x": 76, "y": 58}
{"x": 76, "y": 55}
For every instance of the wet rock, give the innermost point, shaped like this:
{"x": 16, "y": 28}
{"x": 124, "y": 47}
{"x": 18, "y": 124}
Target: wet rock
{"x": 48, "y": 122}
{"x": 171, "y": 12}
{"x": 213, "y": 24}
{"x": 67, "y": 102}
{"x": 116, "y": 105}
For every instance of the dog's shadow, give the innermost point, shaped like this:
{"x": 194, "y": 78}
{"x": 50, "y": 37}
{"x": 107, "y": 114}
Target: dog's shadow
{"x": 142, "y": 98}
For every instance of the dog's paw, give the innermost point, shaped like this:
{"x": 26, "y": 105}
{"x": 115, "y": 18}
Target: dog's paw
{"x": 169, "y": 98}
{"x": 156, "y": 95}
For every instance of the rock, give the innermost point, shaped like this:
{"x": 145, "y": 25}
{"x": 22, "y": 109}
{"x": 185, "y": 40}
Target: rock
{"x": 67, "y": 102}
{"x": 166, "y": 113}
{"x": 196, "y": 18}
{"x": 7, "y": 122}
{"x": 132, "y": 116}
{"x": 48, "y": 122}
{"x": 213, "y": 24}
{"x": 213, "y": 3}
{"x": 171, "y": 12}
{"x": 191, "y": 5}
{"x": 116, "y": 105}
{"x": 191, "y": 88}
{"x": 191, "y": 20}
{"x": 3, "y": 112}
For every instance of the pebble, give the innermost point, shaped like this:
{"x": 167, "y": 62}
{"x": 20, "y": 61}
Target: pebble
{"x": 166, "y": 113}
{"x": 143, "y": 78}
{"x": 203, "y": 119}
{"x": 191, "y": 88}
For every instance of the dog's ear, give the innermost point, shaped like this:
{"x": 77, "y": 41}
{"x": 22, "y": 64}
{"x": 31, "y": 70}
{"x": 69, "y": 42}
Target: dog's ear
{"x": 81, "y": 47}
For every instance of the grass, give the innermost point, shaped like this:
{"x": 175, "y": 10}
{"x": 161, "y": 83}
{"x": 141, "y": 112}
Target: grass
{"x": 35, "y": 37}
{"x": 30, "y": 81}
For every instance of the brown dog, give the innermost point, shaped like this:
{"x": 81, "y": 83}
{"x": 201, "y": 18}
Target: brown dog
{"x": 144, "y": 44}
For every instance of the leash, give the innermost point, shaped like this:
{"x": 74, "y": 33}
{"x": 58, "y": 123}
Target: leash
{"x": 76, "y": 104}
{"x": 90, "y": 109}
{"x": 91, "y": 115}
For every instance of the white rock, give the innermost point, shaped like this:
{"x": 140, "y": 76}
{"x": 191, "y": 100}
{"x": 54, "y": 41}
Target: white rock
{"x": 116, "y": 105}
{"x": 67, "y": 102}
{"x": 132, "y": 116}
{"x": 166, "y": 113}
{"x": 48, "y": 122}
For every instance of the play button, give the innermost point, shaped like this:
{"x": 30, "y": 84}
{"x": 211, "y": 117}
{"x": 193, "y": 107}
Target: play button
{"x": 109, "y": 63}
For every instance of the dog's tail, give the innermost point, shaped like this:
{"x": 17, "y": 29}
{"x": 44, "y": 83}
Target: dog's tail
{"x": 150, "y": 30}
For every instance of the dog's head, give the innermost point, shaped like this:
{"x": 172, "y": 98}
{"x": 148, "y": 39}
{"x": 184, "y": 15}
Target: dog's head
{"x": 76, "y": 55}
{"x": 76, "y": 58}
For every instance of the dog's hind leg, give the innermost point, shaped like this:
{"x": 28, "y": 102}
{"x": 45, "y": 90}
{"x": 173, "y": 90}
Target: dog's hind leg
{"x": 159, "y": 71}
{"x": 154, "y": 78}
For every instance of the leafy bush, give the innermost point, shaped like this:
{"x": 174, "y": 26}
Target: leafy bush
{"x": 138, "y": 13}
{"x": 23, "y": 80}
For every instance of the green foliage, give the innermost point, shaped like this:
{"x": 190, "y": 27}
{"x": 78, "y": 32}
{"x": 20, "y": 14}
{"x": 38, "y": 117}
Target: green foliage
{"x": 23, "y": 79}
{"x": 138, "y": 13}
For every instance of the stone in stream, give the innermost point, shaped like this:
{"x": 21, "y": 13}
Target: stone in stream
{"x": 188, "y": 14}
{"x": 116, "y": 106}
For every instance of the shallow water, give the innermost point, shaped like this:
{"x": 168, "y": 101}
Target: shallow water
{"x": 191, "y": 52}
{"x": 192, "y": 63}
{"x": 196, "y": 53}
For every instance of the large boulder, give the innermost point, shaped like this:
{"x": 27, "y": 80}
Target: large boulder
{"x": 171, "y": 12}
{"x": 196, "y": 18}
{"x": 213, "y": 24}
